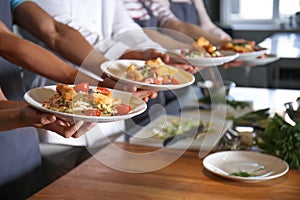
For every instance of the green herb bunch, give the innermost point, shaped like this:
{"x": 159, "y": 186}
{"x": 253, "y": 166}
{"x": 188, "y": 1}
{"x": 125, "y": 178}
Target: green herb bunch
{"x": 282, "y": 140}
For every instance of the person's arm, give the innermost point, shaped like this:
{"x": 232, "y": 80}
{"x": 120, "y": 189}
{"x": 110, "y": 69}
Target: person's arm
{"x": 206, "y": 23}
{"x": 192, "y": 31}
{"x": 35, "y": 58}
{"x": 167, "y": 20}
{"x": 61, "y": 38}
{"x": 16, "y": 114}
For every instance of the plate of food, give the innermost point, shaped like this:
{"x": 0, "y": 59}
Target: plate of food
{"x": 195, "y": 57}
{"x": 203, "y": 53}
{"x": 150, "y": 74}
{"x": 246, "y": 166}
{"x": 84, "y": 102}
{"x": 247, "y": 50}
{"x": 192, "y": 134}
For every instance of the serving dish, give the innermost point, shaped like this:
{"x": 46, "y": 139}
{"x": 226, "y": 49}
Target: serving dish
{"x": 246, "y": 166}
{"x": 205, "y": 141}
{"x": 226, "y": 57}
{"x": 117, "y": 70}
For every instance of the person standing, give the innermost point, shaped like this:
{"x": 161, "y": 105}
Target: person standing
{"x": 21, "y": 173}
{"x": 20, "y": 166}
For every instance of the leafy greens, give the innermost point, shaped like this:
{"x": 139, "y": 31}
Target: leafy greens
{"x": 282, "y": 140}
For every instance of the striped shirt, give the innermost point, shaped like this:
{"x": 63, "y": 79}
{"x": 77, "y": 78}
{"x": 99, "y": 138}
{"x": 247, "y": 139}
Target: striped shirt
{"x": 137, "y": 11}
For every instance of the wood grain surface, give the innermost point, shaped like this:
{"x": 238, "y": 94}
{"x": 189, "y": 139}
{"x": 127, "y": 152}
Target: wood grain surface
{"x": 185, "y": 178}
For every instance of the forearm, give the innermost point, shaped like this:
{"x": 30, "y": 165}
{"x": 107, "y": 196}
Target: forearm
{"x": 70, "y": 44}
{"x": 38, "y": 59}
{"x": 192, "y": 31}
{"x": 10, "y": 115}
{"x": 61, "y": 38}
{"x": 35, "y": 58}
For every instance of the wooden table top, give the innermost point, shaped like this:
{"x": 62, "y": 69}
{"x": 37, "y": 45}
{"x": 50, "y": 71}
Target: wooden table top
{"x": 185, "y": 178}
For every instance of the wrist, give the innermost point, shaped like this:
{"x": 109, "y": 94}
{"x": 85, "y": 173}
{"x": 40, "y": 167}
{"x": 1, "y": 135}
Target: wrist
{"x": 12, "y": 115}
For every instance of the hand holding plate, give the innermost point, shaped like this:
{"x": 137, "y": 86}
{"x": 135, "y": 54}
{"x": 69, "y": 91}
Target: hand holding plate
{"x": 65, "y": 128}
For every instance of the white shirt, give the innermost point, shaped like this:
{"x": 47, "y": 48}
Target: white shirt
{"x": 104, "y": 23}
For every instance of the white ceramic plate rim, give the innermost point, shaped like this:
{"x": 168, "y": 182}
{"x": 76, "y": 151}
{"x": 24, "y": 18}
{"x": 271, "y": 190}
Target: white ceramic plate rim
{"x": 108, "y": 67}
{"x": 212, "y": 61}
{"x": 264, "y": 61}
{"x": 211, "y": 164}
{"x": 251, "y": 55}
{"x": 33, "y": 98}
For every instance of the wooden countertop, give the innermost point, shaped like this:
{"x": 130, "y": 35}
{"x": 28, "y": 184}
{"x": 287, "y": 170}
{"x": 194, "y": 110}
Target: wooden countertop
{"x": 185, "y": 178}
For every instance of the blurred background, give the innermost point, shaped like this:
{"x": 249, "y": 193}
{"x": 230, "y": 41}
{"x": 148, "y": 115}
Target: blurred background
{"x": 262, "y": 21}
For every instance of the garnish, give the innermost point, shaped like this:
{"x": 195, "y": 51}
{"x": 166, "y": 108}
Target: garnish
{"x": 241, "y": 173}
{"x": 247, "y": 174}
{"x": 282, "y": 140}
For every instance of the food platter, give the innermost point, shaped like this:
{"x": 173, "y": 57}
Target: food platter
{"x": 117, "y": 70}
{"x": 209, "y": 61}
{"x": 35, "y": 97}
{"x": 205, "y": 141}
{"x": 246, "y": 166}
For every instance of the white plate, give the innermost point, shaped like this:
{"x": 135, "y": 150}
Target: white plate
{"x": 35, "y": 97}
{"x": 226, "y": 162}
{"x": 205, "y": 141}
{"x": 265, "y": 60}
{"x": 118, "y": 69}
{"x": 249, "y": 56}
{"x": 211, "y": 61}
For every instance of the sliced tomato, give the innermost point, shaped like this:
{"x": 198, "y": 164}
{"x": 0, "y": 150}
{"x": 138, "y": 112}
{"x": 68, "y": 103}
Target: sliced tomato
{"x": 157, "y": 81}
{"x": 82, "y": 87}
{"x": 175, "y": 81}
{"x": 91, "y": 112}
{"x": 104, "y": 91}
{"x": 123, "y": 109}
